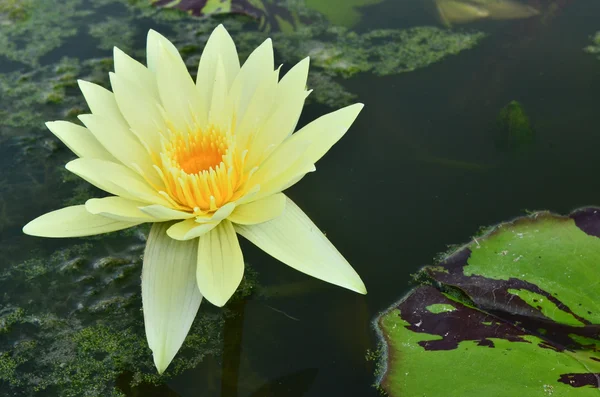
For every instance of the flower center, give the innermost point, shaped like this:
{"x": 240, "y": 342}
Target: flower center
{"x": 202, "y": 170}
{"x": 200, "y": 153}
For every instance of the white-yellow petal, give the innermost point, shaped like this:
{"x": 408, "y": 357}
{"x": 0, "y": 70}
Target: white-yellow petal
{"x": 218, "y": 215}
{"x": 118, "y": 208}
{"x": 219, "y": 45}
{"x": 220, "y": 264}
{"x": 154, "y": 41}
{"x": 324, "y": 132}
{"x": 258, "y": 110}
{"x": 140, "y": 110}
{"x": 259, "y": 211}
{"x": 293, "y": 174}
{"x": 294, "y": 239}
{"x": 170, "y": 296}
{"x": 116, "y": 179}
{"x": 129, "y": 69}
{"x": 178, "y": 93}
{"x": 219, "y": 114}
{"x": 165, "y": 213}
{"x": 279, "y": 126}
{"x": 101, "y": 101}
{"x": 294, "y": 82}
{"x": 73, "y": 221}
{"x": 80, "y": 140}
{"x": 190, "y": 229}
{"x": 122, "y": 144}
{"x": 258, "y": 67}
{"x": 279, "y": 162}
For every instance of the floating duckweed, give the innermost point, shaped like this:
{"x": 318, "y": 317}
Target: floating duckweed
{"x": 114, "y": 32}
{"x": 10, "y": 316}
{"x": 382, "y": 52}
{"x": 43, "y": 28}
{"x": 12, "y": 11}
{"x": 328, "y": 91}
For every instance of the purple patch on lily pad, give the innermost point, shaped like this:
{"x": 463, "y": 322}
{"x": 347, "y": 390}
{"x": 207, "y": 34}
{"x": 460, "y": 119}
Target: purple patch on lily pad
{"x": 588, "y": 220}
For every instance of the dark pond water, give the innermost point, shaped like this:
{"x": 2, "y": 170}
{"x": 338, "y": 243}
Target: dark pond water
{"x": 425, "y": 165}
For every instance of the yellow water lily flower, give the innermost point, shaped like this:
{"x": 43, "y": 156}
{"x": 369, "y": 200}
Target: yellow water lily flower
{"x": 202, "y": 161}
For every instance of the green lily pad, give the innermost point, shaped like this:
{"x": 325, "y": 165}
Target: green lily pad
{"x": 513, "y": 313}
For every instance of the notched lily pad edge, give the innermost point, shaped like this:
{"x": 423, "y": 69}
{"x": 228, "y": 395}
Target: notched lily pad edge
{"x": 581, "y": 216}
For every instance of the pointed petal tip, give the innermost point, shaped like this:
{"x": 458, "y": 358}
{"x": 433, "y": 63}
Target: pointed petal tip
{"x": 160, "y": 363}
{"x": 69, "y": 165}
{"x": 361, "y": 289}
{"x": 28, "y": 229}
{"x": 216, "y": 300}
{"x": 84, "y": 117}
{"x": 82, "y": 84}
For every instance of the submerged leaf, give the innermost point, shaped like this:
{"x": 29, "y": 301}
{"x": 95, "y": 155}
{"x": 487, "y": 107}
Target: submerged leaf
{"x": 515, "y": 310}
{"x": 208, "y": 7}
{"x": 513, "y": 127}
{"x": 463, "y": 11}
{"x": 341, "y": 12}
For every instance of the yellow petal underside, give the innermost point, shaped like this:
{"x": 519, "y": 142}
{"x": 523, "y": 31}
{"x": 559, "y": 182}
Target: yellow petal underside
{"x": 129, "y": 69}
{"x": 80, "y": 140}
{"x": 190, "y": 229}
{"x": 259, "y": 211}
{"x": 141, "y": 111}
{"x": 170, "y": 296}
{"x": 73, "y": 221}
{"x": 294, "y": 239}
{"x": 123, "y": 145}
{"x": 116, "y": 179}
{"x": 220, "y": 264}
{"x": 219, "y": 45}
{"x": 177, "y": 91}
{"x": 118, "y": 208}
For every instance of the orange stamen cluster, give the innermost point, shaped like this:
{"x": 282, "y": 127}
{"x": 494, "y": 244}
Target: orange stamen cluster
{"x": 201, "y": 170}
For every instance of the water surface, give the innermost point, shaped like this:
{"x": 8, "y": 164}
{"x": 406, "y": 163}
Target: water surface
{"x": 420, "y": 169}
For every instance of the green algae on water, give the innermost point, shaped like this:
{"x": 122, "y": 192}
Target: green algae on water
{"x": 37, "y": 28}
{"x": 79, "y": 341}
{"x": 114, "y": 32}
{"x": 383, "y": 52}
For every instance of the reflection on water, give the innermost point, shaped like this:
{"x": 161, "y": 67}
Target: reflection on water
{"x": 420, "y": 169}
